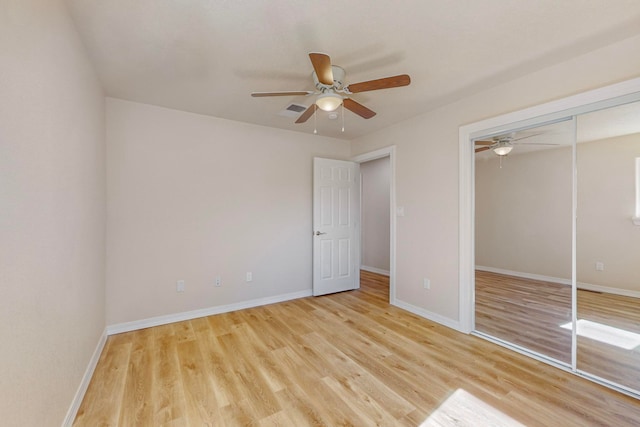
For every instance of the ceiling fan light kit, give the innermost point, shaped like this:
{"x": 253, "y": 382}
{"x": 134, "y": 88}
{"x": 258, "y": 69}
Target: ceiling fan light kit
{"x": 328, "y": 101}
{"x": 502, "y": 145}
{"x": 503, "y": 149}
{"x": 332, "y": 92}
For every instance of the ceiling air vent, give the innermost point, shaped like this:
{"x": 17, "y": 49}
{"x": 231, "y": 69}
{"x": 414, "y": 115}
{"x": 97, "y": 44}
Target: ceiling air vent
{"x": 292, "y": 110}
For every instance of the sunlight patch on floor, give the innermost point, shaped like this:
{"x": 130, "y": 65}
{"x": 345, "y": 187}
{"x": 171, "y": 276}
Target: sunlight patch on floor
{"x": 463, "y": 409}
{"x": 606, "y": 334}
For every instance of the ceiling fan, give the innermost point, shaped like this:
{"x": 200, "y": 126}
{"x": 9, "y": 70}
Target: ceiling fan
{"x": 503, "y": 144}
{"x": 331, "y": 91}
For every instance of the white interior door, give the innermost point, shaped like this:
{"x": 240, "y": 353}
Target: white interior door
{"x": 336, "y": 212}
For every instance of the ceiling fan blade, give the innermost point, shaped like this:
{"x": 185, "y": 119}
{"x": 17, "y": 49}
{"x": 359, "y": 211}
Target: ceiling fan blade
{"x": 525, "y": 137}
{"x": 534, "y": 143}
{"x": 307, "y": 113}
{"x": 485, "y": 142}
{"x": 357, "y": 108}
{"x": 385, "y": 83}
{"x": 286, "y": 93}
{"x": 322, "y": 66}
{"x": 478, "y": 150}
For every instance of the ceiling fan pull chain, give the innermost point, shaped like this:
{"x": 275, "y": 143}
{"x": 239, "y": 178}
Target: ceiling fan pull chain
{"x": 343, "y": 117}
{"x": 315, "y": 121}
{"x": 501, "y": 161}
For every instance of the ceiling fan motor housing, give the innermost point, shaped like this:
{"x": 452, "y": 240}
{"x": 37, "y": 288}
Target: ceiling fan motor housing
{"x": 338, "y": 79}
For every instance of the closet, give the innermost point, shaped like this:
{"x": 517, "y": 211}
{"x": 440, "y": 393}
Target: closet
{"x": 555, "y": 239}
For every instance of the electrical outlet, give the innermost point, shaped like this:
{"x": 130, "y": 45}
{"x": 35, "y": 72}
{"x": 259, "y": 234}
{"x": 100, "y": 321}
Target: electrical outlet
{"x": 249, "y": 276}
{"x": 180, "y": 286}
{"x": 599, "y": 266}
{"x": 426, "y": 283}
{"x": 218, "y": 281}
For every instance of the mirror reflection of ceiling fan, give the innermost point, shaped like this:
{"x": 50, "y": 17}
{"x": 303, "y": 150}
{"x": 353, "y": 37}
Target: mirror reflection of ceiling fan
{"x": 503, "y": 144}
{"x": 332, "y": 92}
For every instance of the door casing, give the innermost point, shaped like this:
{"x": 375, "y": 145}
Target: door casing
{"x": 374, "y": 155}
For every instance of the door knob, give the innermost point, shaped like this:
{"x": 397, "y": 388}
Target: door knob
{"x": 318, "y": 233}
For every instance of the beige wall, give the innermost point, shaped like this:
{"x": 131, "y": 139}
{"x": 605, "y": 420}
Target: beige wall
{"x": 375, "y": 213}
{"x": 523, "y": 212}
{"x": 427, "y": 166}
{"x": 193, "y": 197}
{"x": 52, "y": 204}
{"x": 606, "y": 203}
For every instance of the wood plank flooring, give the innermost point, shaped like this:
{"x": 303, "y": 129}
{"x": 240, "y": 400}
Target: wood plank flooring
{"x": 347, "y": 359}
{"x": 604, "y": 358}
{"x": 530, "y": 313}
{"x": 525, "y": 312}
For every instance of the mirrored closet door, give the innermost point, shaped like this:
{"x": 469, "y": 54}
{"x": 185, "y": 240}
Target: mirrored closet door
{"x": 557, "y": 241}
{"x": 523, "y": 239}
{"x": 608, "y": 244}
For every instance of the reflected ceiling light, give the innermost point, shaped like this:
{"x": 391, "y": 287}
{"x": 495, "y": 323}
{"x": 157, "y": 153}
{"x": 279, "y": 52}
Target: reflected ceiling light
{"x": 503, "y": 148}
{"x": 328, "y": 101}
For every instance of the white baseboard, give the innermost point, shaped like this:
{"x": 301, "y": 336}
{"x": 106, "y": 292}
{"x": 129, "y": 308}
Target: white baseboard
{"x": 84, "y": 384}
{"x": 375, "y": 270}
{"x": 562, "y": 281}
{"x": 194, "y": 314}
{"x": 445, "y": 321}
{"x": 607, "y": 290}
{"x": 531, "y": 276}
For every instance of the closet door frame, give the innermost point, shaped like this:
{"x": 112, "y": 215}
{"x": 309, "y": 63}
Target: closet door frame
{"x": 562, "y": 109}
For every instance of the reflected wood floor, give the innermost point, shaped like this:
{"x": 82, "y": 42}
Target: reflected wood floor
{"x": 529, "y": 313}
{"x": 347, "y": 359}
{"x": 525, "y": 312}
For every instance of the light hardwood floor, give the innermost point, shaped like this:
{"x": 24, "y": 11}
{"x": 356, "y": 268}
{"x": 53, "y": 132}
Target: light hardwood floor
{"x": 530, "y": 313}
{"x": 344, "y": 359}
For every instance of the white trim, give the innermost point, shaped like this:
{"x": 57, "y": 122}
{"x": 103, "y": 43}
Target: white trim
{"x": 373, "y": 155}
{"x": 569, "y": 106}
{"x": 574, "y": 246}
{"x": 558, "y": 364}
{"x": 194, "y": 314}
{"x": 607, "y": 96}
{"x": 374, "y": 270}
{"x": 378, "y": 154}
{"x": 84, "y": 383}
{"x": 636, "y": 217}
{"x": 525, "y": 351}
{"x": 608, "y": 290}
{"x": 580, "y": 285}
{"x": 524, "y": 275}
{"x": 466, "y": 233}
{"x": 434, "y": 317}
{"x": 607, "y": 383}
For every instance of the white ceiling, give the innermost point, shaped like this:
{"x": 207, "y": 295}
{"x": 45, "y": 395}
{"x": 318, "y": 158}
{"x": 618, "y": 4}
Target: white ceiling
{"x": 207, "y": 56}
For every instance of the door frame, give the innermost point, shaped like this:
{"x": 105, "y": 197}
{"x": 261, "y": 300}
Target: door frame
{"x": 389, "y": 152}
